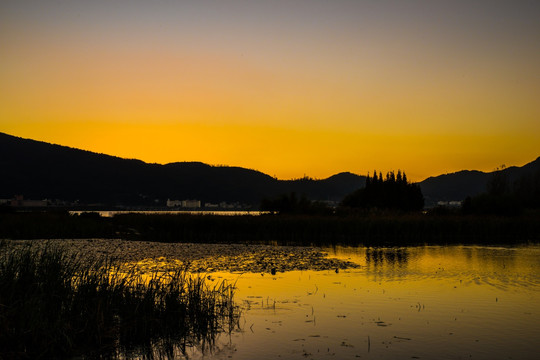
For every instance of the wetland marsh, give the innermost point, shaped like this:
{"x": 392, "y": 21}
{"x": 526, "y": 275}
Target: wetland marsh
{"x": 426, "y": 302}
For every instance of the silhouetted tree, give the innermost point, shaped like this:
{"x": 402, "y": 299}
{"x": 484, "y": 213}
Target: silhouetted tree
{"x": 393, "y": 192}
{"x": 498, "y": 184}
{"x": 501, "y": 198}
{"x": 527, "y": 190}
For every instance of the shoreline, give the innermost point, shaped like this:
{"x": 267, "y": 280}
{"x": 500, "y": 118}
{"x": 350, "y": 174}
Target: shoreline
{"x": 301, "y": 230}
{"x": 196, "y": 257}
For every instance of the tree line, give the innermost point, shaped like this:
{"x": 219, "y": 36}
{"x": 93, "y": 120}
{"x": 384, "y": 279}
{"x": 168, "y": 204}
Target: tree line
{"x": 503, "y": 197}
{"x": 393, "y": 192}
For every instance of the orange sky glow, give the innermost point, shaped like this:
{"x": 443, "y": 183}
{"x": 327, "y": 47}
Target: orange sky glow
{"x": 291, "y": 89}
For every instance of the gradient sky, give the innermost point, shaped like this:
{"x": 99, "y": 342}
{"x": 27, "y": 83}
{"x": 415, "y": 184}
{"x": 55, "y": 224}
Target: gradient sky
{"x": 285, "y": 87}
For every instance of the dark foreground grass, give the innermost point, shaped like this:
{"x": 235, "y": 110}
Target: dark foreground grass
{"x": 55, "y": 306}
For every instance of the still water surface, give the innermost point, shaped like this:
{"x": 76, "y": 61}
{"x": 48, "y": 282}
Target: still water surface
{"x": 451, "y": 302}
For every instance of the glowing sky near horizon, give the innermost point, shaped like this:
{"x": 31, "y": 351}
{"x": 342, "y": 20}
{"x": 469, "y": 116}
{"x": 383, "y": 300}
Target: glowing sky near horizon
{"x": 286, "y": 87}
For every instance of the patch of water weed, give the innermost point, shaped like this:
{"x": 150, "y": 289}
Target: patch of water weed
{"x": 55, "y": 305}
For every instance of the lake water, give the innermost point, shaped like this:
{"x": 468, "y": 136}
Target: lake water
{"x": 451, "y": 302}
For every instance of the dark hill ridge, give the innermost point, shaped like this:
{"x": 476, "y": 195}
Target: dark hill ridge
{"x": 41, "y": 170}
{"x": 457, "y": 186}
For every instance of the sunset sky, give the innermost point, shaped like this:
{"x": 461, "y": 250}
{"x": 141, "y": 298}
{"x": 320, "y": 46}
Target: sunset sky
{"x": 285, "y": 87}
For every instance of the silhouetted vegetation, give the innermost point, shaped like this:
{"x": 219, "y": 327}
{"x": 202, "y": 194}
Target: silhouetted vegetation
{"x": 56, "y": 306}
{"x": 291, "y": 204}
{"x": 393, "y": 192}
{"x": 382, "y": 228}
{"x": 502, "y": 197}
{"x": 55, "y": 224}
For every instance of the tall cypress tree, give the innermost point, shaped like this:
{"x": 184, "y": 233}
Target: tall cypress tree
{"x": 390, "y": 193}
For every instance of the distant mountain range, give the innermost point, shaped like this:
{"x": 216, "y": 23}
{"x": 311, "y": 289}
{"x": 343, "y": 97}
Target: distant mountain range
{"x": 39, "y": 170}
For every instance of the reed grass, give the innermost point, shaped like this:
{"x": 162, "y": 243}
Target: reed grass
{"x": 57, "y": 306}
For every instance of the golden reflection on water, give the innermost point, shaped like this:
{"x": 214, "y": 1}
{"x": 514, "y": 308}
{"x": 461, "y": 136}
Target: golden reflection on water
{"x": 424, "y": 302}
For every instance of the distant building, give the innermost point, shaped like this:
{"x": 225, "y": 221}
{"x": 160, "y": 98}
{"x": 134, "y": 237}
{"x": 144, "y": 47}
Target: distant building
{"x": 330, "y": 203}
{"x": 225, "y": 205}
{"x": 191, "y": 204}
{"x": 452, "y": 204}
{"x": 174, "y": 203}
{"x": 19, "y": 201}
{"x": 231, "y": 206}
{"x": 186, "y": 204}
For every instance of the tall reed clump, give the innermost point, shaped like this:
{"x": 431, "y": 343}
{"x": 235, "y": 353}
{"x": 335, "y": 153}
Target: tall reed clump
{"x": 57, "y": 306}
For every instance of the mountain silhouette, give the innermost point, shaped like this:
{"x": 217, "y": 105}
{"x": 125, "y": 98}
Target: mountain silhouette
{"x": 457, "y": 186}
{"x": 39, "y": 170}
